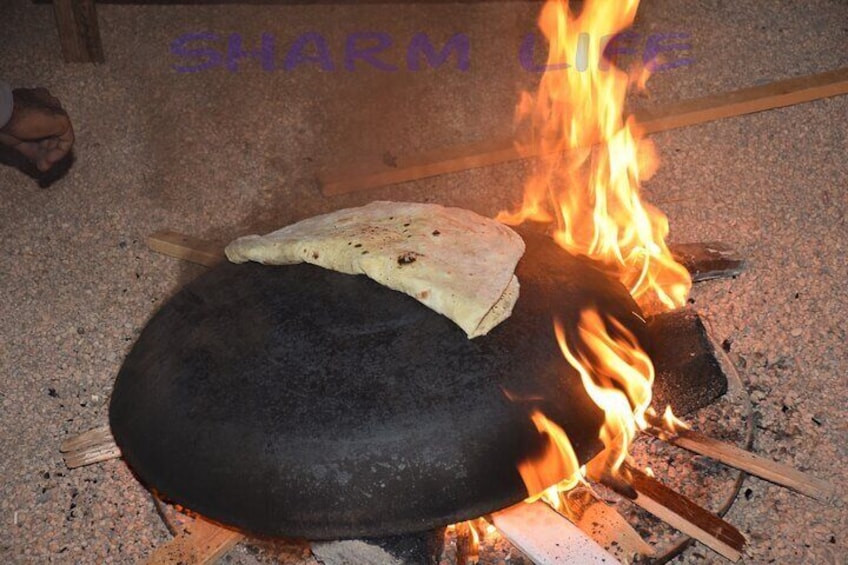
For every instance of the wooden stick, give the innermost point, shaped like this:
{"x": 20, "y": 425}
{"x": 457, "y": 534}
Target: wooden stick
{"x": 603, "y": 523}
{"x": 704, "y": 261}
{"x": 79, "y": 34}
{"x": 547, "y": 537}
{"x": 707, "y": 261}
{"x": 200, "y": 543}
{"x": 737, "y": 458}
{"x": 90, "y": 447}
{"x": 691, "y": 112}
{"x": 187, "y": 248}
{"x": 677, "y": 511}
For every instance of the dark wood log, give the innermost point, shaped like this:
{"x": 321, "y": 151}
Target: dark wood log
{"x": 671, "y": 507}
{"x": 681, "y": 513}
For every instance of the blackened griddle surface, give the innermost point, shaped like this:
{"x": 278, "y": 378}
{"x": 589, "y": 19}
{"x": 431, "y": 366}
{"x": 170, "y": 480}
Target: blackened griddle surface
{"x": 296, "y": 401}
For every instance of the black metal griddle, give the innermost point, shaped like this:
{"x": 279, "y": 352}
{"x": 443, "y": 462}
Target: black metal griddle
{"x": 300, "y": 402}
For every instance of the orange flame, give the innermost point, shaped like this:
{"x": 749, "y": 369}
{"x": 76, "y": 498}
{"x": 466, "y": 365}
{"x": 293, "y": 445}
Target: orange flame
{"x": 618, "y": 376}
{"x": 555, "y": 469}
{"x": 592, "y": 193}
{"x": 672, "y": 423}
{"x": 591, "y": 162}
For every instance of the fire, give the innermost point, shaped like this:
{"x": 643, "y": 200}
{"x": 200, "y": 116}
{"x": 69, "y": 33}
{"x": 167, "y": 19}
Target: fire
{"x": 591, "y": 162}
{"x": 591, "y": 158}
{"x": 618, "y": 376}
{"x": 556, "y": 469}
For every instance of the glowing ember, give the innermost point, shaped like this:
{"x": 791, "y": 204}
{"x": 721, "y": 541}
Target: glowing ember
{"x": 591, "y": 161}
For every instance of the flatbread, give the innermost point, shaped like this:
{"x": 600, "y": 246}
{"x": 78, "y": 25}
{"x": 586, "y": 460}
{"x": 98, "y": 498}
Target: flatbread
{"x": 454, "y": 261}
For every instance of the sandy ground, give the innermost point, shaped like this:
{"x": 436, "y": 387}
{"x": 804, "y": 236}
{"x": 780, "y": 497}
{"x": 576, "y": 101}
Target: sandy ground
{"x": 218, "y": 154}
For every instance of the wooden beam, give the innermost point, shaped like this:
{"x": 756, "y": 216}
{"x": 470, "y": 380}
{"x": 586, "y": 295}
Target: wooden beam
{"x": 201, "y": 543}
{"x": 677, "y": 511}
{"x": 79, "y": 33}
{"x": 93, "y": 446}
{"x": 187, "y": 248}
{"x": 546, "y": 537}
{"x": 688, "y": 113}
{"x": 737, "y": 458}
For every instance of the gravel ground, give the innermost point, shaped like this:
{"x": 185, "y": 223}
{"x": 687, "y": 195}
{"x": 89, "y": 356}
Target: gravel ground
{"x": 218, "y": 153}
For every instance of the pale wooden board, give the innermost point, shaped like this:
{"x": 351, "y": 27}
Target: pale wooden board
{"x": 93, "y": 446}
{"x": 758, "y": 465}
{"x": 375, "y": 173}
{"x": 548, "y": 538}
{"x": 200, "y": 543}
{"x": 187, "y": 248}
{"x": 683, "y": 514}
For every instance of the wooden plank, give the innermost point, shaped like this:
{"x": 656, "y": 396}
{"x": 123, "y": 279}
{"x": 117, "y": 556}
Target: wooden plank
{"x": 604, "y": 524}
{"x": 737, "y": 458}
{"x": 787, "y": 92}
{"x": 187, "y": 248}
{"x": 93, "y": 446}
{"x": 546, "y": 537}
{"x": 691, "y": 112}
{"x": 79, "y": 33}
{"x": 688, "y": 375}
{"x": 678, "y": 511}
{"x": 201, "y": 543}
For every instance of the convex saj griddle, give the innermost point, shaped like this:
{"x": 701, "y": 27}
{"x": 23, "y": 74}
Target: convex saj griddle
{"x": 300, "y": 402}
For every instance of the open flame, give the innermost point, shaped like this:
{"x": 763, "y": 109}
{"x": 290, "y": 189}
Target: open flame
{"x": 556, "y": 469}
{"x": 591, "y": 161}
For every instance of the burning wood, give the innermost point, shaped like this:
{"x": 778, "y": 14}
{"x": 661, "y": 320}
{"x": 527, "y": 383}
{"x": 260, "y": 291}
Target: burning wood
{"x": 602, "y": 523}
{"x": 677, "y": 511}
{"x": 548, "y": 538}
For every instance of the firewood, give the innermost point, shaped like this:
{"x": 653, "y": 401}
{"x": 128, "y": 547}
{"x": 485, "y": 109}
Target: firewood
{"x": 687, "y": 113}
{"x": 737, "y": 458}
{"x": 90, "y": 447}
{"x": 676, "y": 510}
{"x": 704, "y": 261}
{"x": 604, "y": 524}
{"x": 187, "y": 248}
{"x": 201, "y": 543}
{"x": 547, "y": 537}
